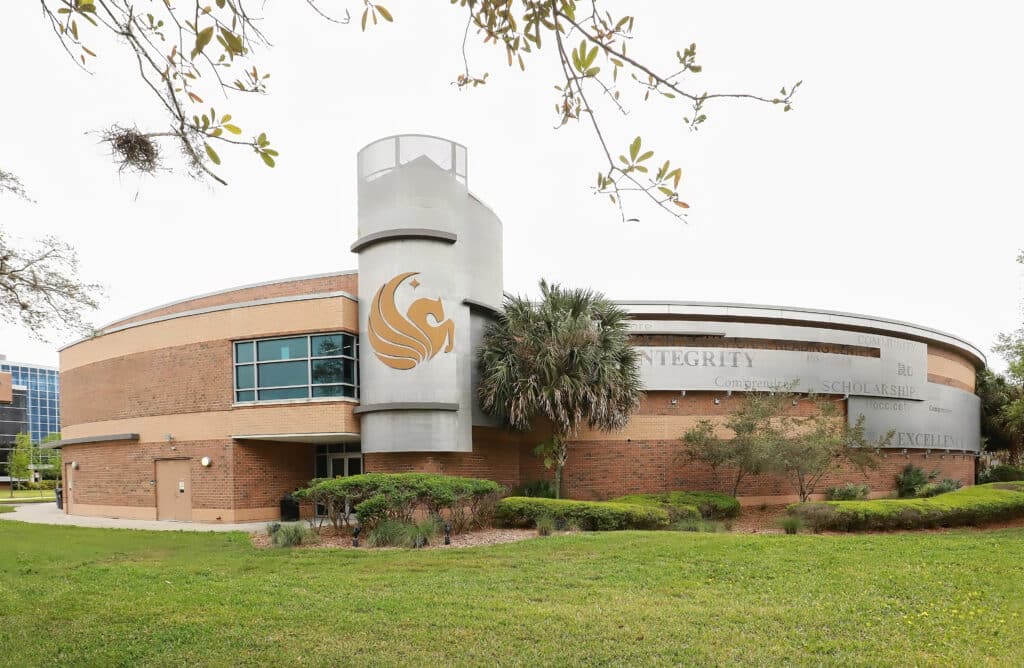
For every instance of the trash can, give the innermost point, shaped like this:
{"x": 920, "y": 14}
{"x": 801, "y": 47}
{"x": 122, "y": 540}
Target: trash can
{"x": 289, "y": 509}
{"x": 59, "y": 493}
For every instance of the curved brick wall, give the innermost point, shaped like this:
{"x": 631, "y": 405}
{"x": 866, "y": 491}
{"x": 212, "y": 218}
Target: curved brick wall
{"x": 341, "y": 282}
{"x": 170, "y": 382}
{"x": 174, "y": 377}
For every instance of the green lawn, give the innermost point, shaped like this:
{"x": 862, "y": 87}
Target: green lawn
{"x": 7, "y": 509}
{"x": 5, "y": 495}
{"x": 72, "y": 596}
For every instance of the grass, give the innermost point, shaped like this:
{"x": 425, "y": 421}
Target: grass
{"x": 75, "y": 596}
{"x": 19, "y": 494}
{"x": 7, "y": 509}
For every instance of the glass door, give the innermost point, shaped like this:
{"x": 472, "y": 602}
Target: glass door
{"x": 337, "y": 461}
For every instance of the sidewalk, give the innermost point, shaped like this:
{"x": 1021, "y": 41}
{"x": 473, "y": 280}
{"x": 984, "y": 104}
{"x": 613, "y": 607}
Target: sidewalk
{"x": 47, "y": 513}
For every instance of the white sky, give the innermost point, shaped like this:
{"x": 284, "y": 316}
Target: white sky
{"x": 892, "y": 189}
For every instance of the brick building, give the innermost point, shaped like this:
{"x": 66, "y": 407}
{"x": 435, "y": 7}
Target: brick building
{"x": 212, "y": 408}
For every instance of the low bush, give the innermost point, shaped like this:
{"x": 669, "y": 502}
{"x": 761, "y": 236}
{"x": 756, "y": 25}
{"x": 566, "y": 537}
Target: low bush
{"x": 936, "y": 488}
{"x": 848, "y": 492}
{"x": 289, "y": 535}
{"x": 388, "y": 533}
{"x": 543, "y": 489}
{"x": 680, "y": 505}
{"x": 971, "y": 506}
{"x": 910, "y": 479}
{"x": 396, "y": 533}
{"x": 587, "y": 515}
{"x": 545, "y": 525}
{"x": 792, "y": 524}
{"x": 1001, "y": 473}
{"x": 374, "y": 497}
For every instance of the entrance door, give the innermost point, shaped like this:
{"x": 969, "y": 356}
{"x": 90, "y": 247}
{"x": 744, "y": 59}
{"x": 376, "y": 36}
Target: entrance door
{"x": 174, "y": 490}
{"x": 346, "y": 465}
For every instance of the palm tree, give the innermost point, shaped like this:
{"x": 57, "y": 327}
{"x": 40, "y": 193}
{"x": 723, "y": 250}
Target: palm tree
{"x": 566, "y": 358}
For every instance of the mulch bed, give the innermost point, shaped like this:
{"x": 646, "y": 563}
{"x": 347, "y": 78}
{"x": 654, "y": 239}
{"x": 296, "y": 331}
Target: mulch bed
{"x": 343, "y": 539}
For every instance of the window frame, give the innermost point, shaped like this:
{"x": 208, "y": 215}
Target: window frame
{"x": 309, "y": 359}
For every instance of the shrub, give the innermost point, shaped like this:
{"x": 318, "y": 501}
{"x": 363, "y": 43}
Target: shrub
{"x": 792, "y": 524}
{"x": 545, "y": 525}
{"x": 542, "y": 489}
{"x": 290, "y": 534}
{"x": 1001, "y": 473}
{"x": 387, "y": 533}
{"x": 936, "y": 488}
{"x": 396, "y": 533}
{"x": 971, "y": 506}
{"x": 375, "y": 497}
{"x": 419, "y": 534}
{"x": 587, "y": 515}
{"x": 680, "y": 505}
{"x": 910, "y": 479}
{"x": 848, "y": 492}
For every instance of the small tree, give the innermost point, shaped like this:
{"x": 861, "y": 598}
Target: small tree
{"x": 810, "y": 447}
{"x": 20, "y": 459}
{"x": 748, "y": 452}
{"x": 566, "y": 358}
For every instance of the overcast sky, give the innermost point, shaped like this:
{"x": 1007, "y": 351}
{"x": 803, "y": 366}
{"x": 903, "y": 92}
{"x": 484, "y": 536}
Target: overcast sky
{"x": 891, "y": 190}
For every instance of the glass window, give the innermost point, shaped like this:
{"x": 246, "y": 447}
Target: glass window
{"x": 297, "y": 367}
{"x": 243, "y": 352}
{"x": 327, "y": 371}
{"x": 326, "y": 346}
{"x": 284, "y": 373}
{"x": 281, "y": 349}
{"x": 286, "y": 393}
{"x": 245, "y": 377}
{"x": 328, "y": 391}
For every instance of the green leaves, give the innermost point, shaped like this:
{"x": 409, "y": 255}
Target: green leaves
{"x": 213, "y": 154}
{"x": 267, "y": 155}
{"x": 203, "y": 38}
{"x": 583, "y": 60}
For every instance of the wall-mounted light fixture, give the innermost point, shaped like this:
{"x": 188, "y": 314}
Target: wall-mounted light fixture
{"x": 903, "y": 451}
{"x": 717, "y": 401}
{"x": 795, "y": 402}
{"x": 74, "y": 465}
{"x": 205, "y": 461}
{"x": 674, "y": 402}
{"x": 682, "y": 393}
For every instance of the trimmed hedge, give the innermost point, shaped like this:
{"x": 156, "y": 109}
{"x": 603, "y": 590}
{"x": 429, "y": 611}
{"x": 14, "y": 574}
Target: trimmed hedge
{"x": 1002, "y": 473}
{"x": 375, "y": 497}
{"x": 587, "y": 515}
{"x": 683, "y": 505}
{"x": 965, "y": 507}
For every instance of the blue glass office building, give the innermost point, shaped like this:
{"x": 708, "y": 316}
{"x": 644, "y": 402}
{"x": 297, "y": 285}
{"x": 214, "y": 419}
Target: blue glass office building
{"x": 43, "y": 383}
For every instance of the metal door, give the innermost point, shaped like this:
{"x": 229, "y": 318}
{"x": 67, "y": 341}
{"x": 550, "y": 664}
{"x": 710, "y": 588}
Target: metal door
{"x": 174, "y": 490}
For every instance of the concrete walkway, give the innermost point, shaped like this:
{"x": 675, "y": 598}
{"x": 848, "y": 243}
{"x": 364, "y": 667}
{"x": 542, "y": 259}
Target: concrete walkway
{"x": 47, "y": 513}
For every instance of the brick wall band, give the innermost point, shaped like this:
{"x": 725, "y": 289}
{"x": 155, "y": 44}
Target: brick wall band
{"x": 244, "y": 482}
{"x": 343, "y": 282}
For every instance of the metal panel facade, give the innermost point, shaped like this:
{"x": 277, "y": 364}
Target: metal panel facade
{"x": 948, "y": 419}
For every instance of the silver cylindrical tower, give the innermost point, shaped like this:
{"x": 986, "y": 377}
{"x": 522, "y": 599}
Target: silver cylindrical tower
{"x": 430, "y": 274}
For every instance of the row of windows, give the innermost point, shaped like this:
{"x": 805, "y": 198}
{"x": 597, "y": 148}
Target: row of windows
{"x": 297, "y": 367}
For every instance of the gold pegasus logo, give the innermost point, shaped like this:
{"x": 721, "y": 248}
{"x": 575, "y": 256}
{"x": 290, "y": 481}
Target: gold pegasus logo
{"x": 404, "y": 341}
